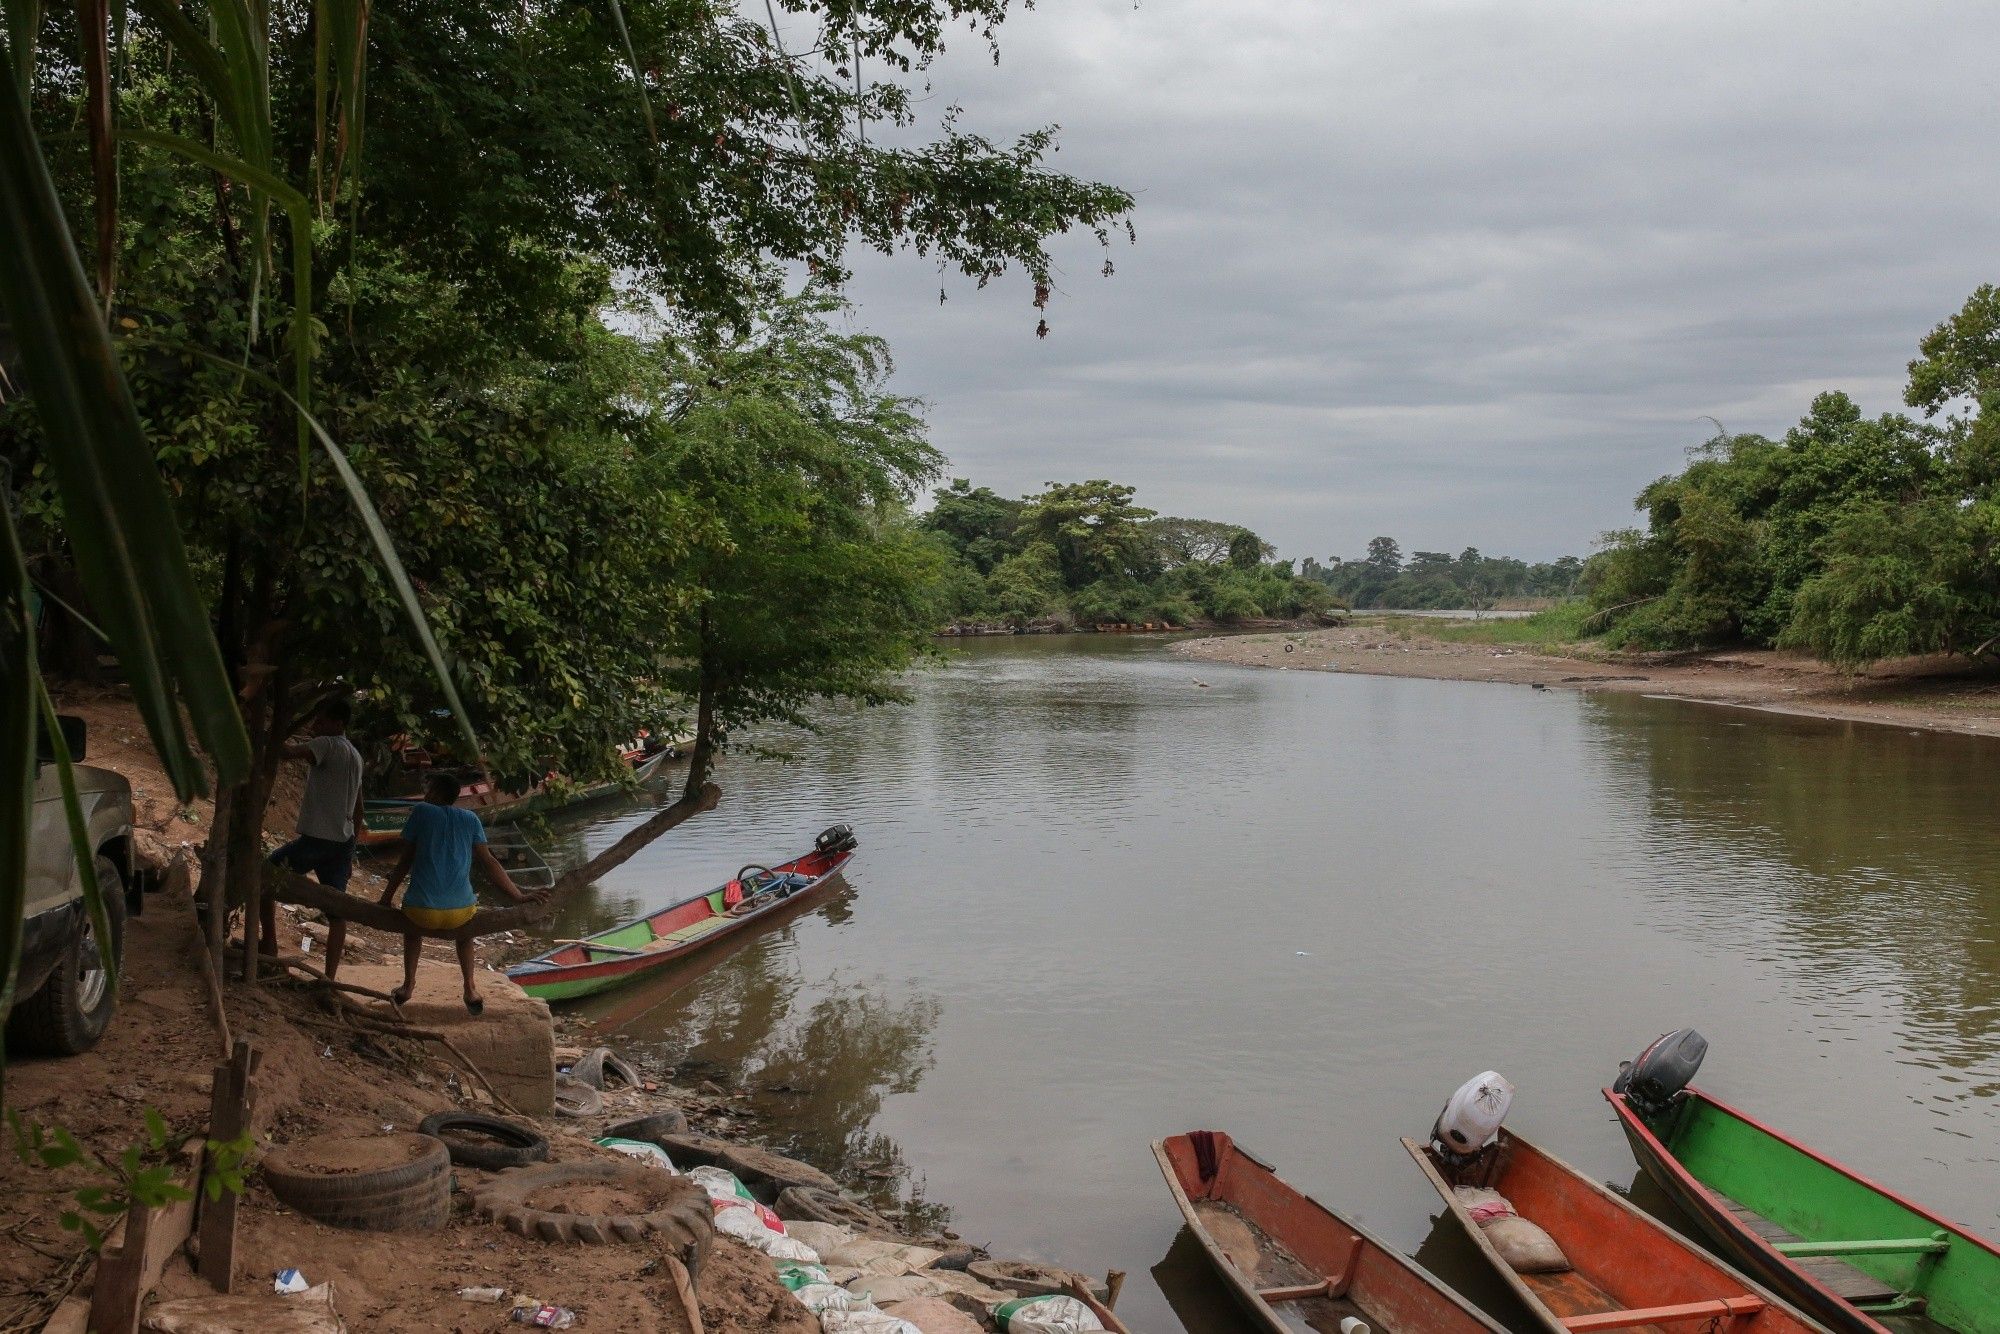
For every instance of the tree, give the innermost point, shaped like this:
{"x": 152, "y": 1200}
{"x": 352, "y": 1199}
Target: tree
{"x": 978, "y": 523}
{"x": 1190, "y": 541}
{"x": 1094, "y": 529}
{"x": 1246, "y": 550}
{"x": 444, "y": 313}
{"x": 1385, "y": 557}
{"x": 1902, "y": 579}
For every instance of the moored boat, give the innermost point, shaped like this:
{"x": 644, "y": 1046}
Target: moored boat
{"x": 1612, "y": 1266}
{"x": 623, "y": 953}
{"x": 1845, "y": 1250}
{"x": 1290, "y": 1261}
{"x": 385, "y": 815}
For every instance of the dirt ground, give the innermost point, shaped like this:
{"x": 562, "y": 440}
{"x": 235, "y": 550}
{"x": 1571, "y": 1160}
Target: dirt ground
{"x": 317, "y": 1077}
{"x": 1936, "y": 694}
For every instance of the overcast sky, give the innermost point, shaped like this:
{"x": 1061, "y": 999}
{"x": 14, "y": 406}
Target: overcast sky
{"x": 1461, "y": 273}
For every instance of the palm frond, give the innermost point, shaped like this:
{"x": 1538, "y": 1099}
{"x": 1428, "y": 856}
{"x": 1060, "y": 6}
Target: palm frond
{"x": 127, "y": 545}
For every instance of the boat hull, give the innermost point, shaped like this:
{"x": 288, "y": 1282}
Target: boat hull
{"x": 1626, "y": 1264}
{"x": 675, "y": 934}
{"x": 1828, "y": 1203}
{"x": 1361, "y": 1276}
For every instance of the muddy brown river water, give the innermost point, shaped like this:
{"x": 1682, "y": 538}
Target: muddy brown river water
{"x": 1096, "y": 903}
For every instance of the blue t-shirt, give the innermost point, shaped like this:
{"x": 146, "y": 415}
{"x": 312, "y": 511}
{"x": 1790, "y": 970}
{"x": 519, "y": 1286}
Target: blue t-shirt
{"x": 441, "y": 874}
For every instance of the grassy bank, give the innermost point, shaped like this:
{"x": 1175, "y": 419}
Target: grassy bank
{"x": 1545, "y": 631}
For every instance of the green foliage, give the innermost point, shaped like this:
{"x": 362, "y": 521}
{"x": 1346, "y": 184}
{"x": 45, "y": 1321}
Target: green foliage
{"x": 810, "y": 583}
{"x": 1853, "y": 538}
{"x": 1565, "y": 623}
{"x": 139, "y": 1176}
{"x": 1084, "y": 553}
{"x": 1434, "y": 580}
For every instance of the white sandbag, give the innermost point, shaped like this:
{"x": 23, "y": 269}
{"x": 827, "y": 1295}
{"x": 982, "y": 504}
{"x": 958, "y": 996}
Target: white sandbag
{"x": 822, "y": 1237}
{"x": 741, "y": 1222}
{"x": 820, "y": 1298}
{"x": 1046, "y": 1315}
{"x": 935, "y": 1315}
{"x": 1472, "y": 1117}
{"x": 644, "y": 1150}
{"x": 720, "y": 1183}
{"x": 865, "y": 1320}
{"x": 962, "y": 1289}
{"x": 871, "y": 1256}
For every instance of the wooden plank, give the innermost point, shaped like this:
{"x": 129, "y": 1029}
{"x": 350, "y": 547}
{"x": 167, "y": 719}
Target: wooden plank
{"x": 130, "y": 1266}
{"x": 1722, "y": 1309}
{"x": 1830, "y": 1272}
{"x": 230, "y": 1098}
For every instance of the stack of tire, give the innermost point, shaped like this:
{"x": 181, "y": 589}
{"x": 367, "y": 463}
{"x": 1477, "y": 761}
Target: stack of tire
{"x": 408, "y": 1189}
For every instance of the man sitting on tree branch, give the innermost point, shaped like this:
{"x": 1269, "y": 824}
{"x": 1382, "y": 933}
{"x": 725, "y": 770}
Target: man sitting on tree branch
{"x": 442, "y": 841}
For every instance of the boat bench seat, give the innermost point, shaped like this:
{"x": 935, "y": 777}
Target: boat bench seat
{"x": 1937, "y": 1243}
{"x": 691, "y": 930}
{"x": 1830, "y": 1271}
{"x": 1720, "y": 1308}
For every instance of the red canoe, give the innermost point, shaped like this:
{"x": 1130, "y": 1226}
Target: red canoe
{"x": 1293, "y": 1263}
{"x": 1629, "y": 1270}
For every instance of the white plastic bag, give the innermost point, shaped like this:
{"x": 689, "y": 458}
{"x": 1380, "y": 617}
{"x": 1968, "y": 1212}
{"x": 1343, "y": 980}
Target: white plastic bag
{"x": 865, "y": 1320}
{"x": 644, "y": 1150}
{"x": 1472, "y": 1118}
{"x": 1046, "y": 1315}
{"x": 872, "y": 1256}
{"x": 822, "y": 1237}
{"x": 740, "y": 1221}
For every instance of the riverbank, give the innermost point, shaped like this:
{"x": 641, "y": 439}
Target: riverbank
{"x": 1934, "y": 694}
{"x": 328, "y": 1070}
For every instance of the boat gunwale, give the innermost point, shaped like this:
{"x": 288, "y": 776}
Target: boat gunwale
{"x": 1773, "y": 1303}
{"x": 1619, "y": 1104}
{"x": 1245, "y": 1288}
{"x": 618, "y": 967}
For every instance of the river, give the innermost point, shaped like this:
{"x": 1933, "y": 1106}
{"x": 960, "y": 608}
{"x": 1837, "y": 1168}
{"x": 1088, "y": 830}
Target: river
{"x": 1096, "y": 903}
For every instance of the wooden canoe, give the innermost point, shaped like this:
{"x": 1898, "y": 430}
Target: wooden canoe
{"x": 647, "y": 944}
{"x": 1630, "y": 1271}
{"x": 1290, "y": 1261}
{"x": 1844, "y": 1250}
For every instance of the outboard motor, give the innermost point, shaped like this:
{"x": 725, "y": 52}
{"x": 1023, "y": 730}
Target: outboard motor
{"x": 835, "y": 838}
{"x": 1653, "y": 1081}
{"x": 1470, "y": 1121}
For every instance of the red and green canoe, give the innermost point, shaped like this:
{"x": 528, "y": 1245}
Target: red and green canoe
{"x": 651, "y": 943}
{"x": 1848, "y": 1252}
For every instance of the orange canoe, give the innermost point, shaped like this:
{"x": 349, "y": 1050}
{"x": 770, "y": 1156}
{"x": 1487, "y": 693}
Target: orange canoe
{"x": 1291, "y": 1262}
{"x": 1629, "y": 1270}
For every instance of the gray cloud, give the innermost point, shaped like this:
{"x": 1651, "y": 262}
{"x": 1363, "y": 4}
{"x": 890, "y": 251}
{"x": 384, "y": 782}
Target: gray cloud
{"x": 1461, "y": 272}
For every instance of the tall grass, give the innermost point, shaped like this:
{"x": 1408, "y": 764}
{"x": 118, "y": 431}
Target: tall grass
{"x": 1551, "y": 628}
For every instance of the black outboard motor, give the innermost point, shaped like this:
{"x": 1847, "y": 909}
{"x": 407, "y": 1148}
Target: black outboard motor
{"x": 835, "y": 838}
{"x": 1653, "y": 1081}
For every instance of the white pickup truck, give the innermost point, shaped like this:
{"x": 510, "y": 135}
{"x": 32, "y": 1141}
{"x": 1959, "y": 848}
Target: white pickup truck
{"x": 63, "y": 997}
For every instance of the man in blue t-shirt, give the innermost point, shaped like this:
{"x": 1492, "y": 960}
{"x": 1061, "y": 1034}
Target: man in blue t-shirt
{"x": 441, "y": 841}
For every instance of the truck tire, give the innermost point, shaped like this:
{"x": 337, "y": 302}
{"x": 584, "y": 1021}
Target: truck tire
{"x": 408, "y": 1189}
{"x": 486, "y": 1141}
{"x": 70, "y": 1011}
{"x": 679, "y": 1212}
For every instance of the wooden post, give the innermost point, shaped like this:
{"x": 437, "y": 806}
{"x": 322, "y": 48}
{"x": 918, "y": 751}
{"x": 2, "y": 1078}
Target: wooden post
{"x": 130, "y": 1264}
{"x": 228, "y": 1117}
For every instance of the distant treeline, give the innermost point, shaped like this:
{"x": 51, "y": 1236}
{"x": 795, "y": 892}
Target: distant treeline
{"x": 1852, "y": 538}
{"x": 1431, "y": 580}
{"x": 1083, "y": 553}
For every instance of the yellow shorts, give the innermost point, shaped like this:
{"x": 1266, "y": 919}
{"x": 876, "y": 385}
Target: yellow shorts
{"x": 440, "y": 919}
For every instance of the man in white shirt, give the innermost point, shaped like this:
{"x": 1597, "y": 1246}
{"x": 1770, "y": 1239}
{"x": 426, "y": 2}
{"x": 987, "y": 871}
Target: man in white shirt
{"x": 329, "y": 819}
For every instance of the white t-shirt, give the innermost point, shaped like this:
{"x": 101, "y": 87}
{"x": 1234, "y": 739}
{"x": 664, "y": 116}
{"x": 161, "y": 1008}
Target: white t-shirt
{"x": 327, "y": 808}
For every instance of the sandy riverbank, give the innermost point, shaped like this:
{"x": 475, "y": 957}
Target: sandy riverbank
{"x": 1938, "y": 695}
{"x": 322, "y": 1076}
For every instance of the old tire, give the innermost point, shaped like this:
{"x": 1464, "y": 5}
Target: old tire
{"x": 69, "y": 1012}
{"x": 682, "y": 1216}
{"x": 486, "y": 1141}
{"x": 408, "y": 1189}
{"x": 576, "y": 1099}
{"x": 650, "y": 1127}
{"x": 601, "y": 1063}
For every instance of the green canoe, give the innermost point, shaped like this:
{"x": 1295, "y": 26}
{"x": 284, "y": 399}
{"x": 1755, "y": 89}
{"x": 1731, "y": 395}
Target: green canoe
{"x": 1848, "y": 1252}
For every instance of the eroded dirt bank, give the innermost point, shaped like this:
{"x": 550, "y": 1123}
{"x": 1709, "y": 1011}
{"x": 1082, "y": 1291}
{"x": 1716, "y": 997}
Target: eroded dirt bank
{"x": 1922, "y": 693}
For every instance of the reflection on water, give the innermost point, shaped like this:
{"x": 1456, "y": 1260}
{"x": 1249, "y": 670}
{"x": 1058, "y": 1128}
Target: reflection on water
{"x": 1862, "y": 858}
{"x": 1095, "y": 904}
